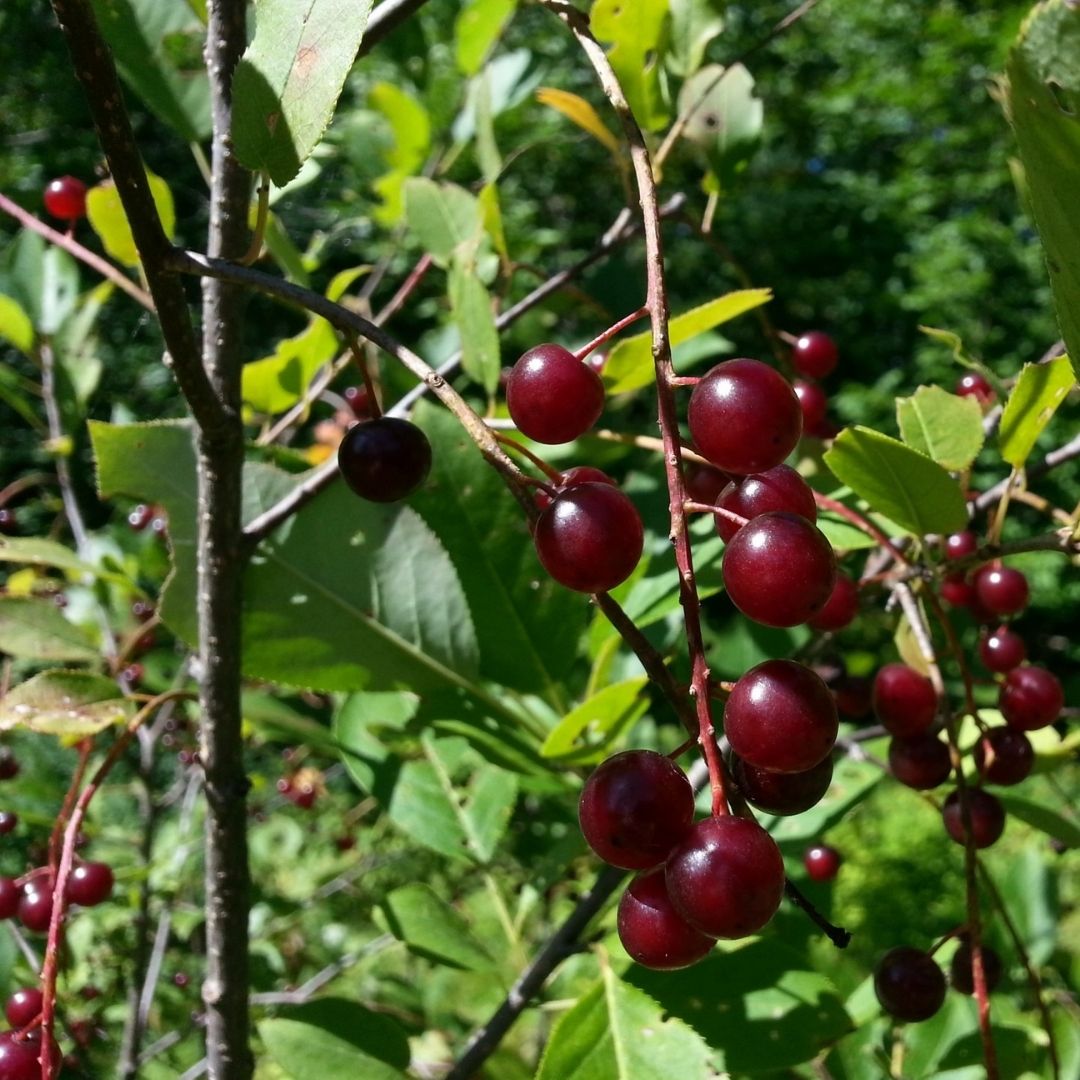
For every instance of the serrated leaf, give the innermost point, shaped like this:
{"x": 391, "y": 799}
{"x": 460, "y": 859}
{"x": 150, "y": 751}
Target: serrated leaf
{"x": 1038, "y": 392}
{"x": 410, "y": 125}
{"x": 637, "y": 35}
{"x": 443, "y": 217}
{"x": 629, "y": 365}
{"x": 587, "y": 732}
{"x": 471, "y": 307}
{"x": 1043, "y": 818}
{"x": 431, "y": 928}
{"x": 904, "y": 485}
{"x": 33, "y": 629}
{"x": 275, "y": 383}
{"x": 616, "y": 1032}
{"x": 724, "y": 119}
{"x": 105, "y": 212}
{"x": 942, "y": 426}
{"x": 34, "y": 551}
{"x": 580, "y": 112}
{"x": 64, "y": 703}
{"x": 290, "y": 78}
{"x": 15, "y": 325}
{"x": 334, "y": 1037}
{"x": 476, "y": 29}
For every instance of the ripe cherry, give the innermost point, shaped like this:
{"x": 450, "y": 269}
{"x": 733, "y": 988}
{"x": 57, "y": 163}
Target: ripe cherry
{"x": 9, "y": 764}
{"x": 552, "y": 396}
{"x": 987, "y": 817}
{"x": 904, "y": 700}
{"x": 919, "y": 761}
{"x": 1002, "y": 650}
{"x": 1004, "y": 756}
{"x": 8, "y": 822}
{"x": 635, "y": 808}
{"x": 744, "y": 416}
{"x": 65, "y": 198}
{"x": 778, "y": 488}
{"x": 90, "y": 883}
{"x": 358, "y": 400}
{"x": 10, "y": 894}
{"x": 972, "y": 384}
{"x": 814, "y": 354}
{"x": 141, "y": 516}
{"x": 35, "y": 907}
{"x": 781, "y": 716}
{"x": 704, "y": 483}
{"x": 590, "y": 538}
{"x": 23, "y": 1007}
{"x": 909, "y": 984}
{"x": 782, "y": 794}
{"x": 822, "y": 862}
{"x": 957, "y": 591}
{"x": 8, "y": 522}
{"x": 653, "y": 932}
{"x": 813, "y": 402}
{"x": 841, "y": 607}
{"x": 580, "y": 474}
{"x": 384, "y": 460}
{"x": 962, "y": 972}
{"x": 854, "y": 696}
{"x": 19, "y": 1055}
{"x": 1001, "y": 589}
{"x": 779, "y": 569}
{"x": 958, "y": 545}
{"x": 1030, "y": 698}
{"x": 726, "y": 878}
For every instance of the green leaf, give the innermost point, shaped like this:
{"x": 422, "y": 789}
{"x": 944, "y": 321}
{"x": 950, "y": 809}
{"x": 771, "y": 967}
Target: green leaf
{"x": 616, "y": 1032}
{"x": 275, "y": 383}
{"x": 629, "y": 366}
{"x": 64, "y": 703}
{"x": 33, "y": 629}
{"x": 1043, "y": 818}
{"x": 471, "y": 305}
{"x": 842, "y": 534}
{"x": 358, "y": 724}
{"x": 904, "y": 485}
{"x": 757, "y": 1006}
{"x": 1039, "y": 390}
{"x": 15, "y": 325}
{"x": 586, "y": 733}
{"x": 34, "y": 551}
{"x": 443, "y": 217}
{"x": 43, "y": 279}
{"x": 477, "y": 27}
{"x": 431, "y": 928}
{"x": 1043, "y": 102}
{"x": 334, "y": 1037}
{"x": 158, "y": 47}
{"x": 694, "y": 23}
{"x": 942, "y": 426}
{"x": 852, "y": 783}
{"x": 453, "y": 801}
{"x": 907, "y": 644}
{"x": 637, "y": 35}
{"x": 289, "y": 79}
{"x": 105, "y": 212}
{"x": 492, "y": 219}
{"x": 411, "y": 127}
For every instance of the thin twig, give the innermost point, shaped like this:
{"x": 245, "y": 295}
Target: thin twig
{"x": 1060, "y": 456}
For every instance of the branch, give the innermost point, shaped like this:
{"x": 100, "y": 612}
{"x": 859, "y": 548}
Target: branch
{"x": 1057, "y": 457}
{"x": 389, "y": 15}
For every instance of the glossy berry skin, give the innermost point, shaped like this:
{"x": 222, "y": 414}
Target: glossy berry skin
{"x": 779, "y": 569}
{"x": 141, "y": 516}
{"x": 778, "y": 488}
{"x": 552, "y": 396}
{"x": 782, "y": 794}
{"x": 590, "y": 538}
{"x": 962, "y": 974}
{"x": 744, "y": 417}
{"x": 635, "y": 808}
{"x": 1001, "y": 589}
{"x": 958, "y": 545}
{"x": 781, "y": 716}
{"x": 65, "y": 198}
{"x": 580, "y": 474}
{"x": 822, "y": 862}
{"x": 904, "y": 700}
{"x": 841, "y": 607}
{"x": 23, "y": 1007}
{"x": 90, "y": 883}
{"x": 8, "y": 523}
{"x": 909, "y": 984}
{"x": 384, "y": 460}
{"x": 814, "y": 354}
{"x": 9, "y": 764}
{"x": 1030, "y": 698}
{"x": 19, "y": 1056}
{"x": 8, "y": 822}
{"x": 10, "y": 894}
{"x": 854, "y": 696}
{"x": 357, "y": 398}
{"x": 1004, "y": 756}
{"x": 1002, "y": 650}
{"x": 727, "y": 877}
{"x": 653, "y": 932}
{"x": 987, "y": 817}
{"x": 35, "y": 908}
{"x": 813, "y": 402}
{"x": 972, "y": 384}
{"x": 957, "y": 591}
{"x": 919, "y": 761}
{"x": 704, "y": 483}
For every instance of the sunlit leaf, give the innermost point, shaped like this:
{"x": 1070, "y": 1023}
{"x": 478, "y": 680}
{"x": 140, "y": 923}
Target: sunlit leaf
{"x": 64, "y": 703}
{"x": 105, "y": 213}
{"x": 942, "y": 426}
{"x": 1038, "y": 392}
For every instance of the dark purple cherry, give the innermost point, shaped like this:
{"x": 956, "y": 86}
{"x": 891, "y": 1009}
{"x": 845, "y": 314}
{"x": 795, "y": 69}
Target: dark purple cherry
{"x": 384, "y": 460}
{"x": 23, "y": 1007}
{"x": 635, "y": 808}
{"x": 1004, "y": 756}
{"x": 704, "y": 483}
{"x": 9, "y": 524}
{"x": 779, "y": 569}
{"x": 90, "y": 883}
{"x": 841, "y": 607}
{"x": 10, "y": 894}
{"x": 778, "y": 488}
{"x": 958, "y": 545}
{"x": 822, "y": 862}
{"x": 854, "y": 696}
{"x": 782, "y": 794}
{"x": 814, "y": 354}
{"x": 9, "y": 764}
{"x": 8, "y": 822}
{"x": 987, "y": 817}
{"x": 904, "y": 700}
{"x": 744, "y": 416}
{"x": 919, "y": 761}
{"x": 653, "y": 932}
{"x": 1030, "y": 698}
{"x": 65, "y": 198}
{"x": 1002, "y": 650}
{"x": 141, "y": 516}
{"x": 1001, "y": 589}
{"x": 813, "y": 402}
{"x": 35, "y": 907}
{"x": 973, "y": 385}
{"x": 962, "y": 971}
{"x": 552, "y": 396}
{"x": 909, "y": 984}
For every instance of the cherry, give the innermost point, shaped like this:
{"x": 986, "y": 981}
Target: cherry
{"x": 356, "y": 397}
{"x": 1004, "y": 756}
{"x": 635, "y": 808}
{"x": 653, "y": 932}
{"x": 904, "y": 700}
{"x": 854, "y": 696}
{"x": 10, "y": 894}
{"x": 778, "y": 488}
{"x": 580, "y": 474}
{"x": 65, "y": 198}
{"x": 744, "y": 416}
{"x": 1001, "y": 589}
{"x": 141, "y": 516}
{"x": 813, "y": 402}
{"x": 909, "y": 984}
{"x": 822, "y": 862}
{"x": 957, "y": 591}
{"x": 1002, "y": 650}
{"x": 962, "y": 973}
{"x": 782, "y": 794}
{"x": 552, "y": 396}
{"x": 781, "y": 716}
{"x": 779, "y": 569}
{"x": 19, "y": 1055}
{"x": 384, "y": 460}
{"x": 590, "y": 538}
{"x": 972, "y": 384}
{"x": 90, "y": 883}
{"x": 987, "y": 817}
{"x": 814, "y": 354}
{"x": 704, "y": 483}
{"x": 9, "y": 764}
{"x": 35, "y": 908}
{"x": 1030, "y": 698}
{"x": 841, "y": 607}
{"x": 142, "y": 610}
{"x": 23, "y": 1007}
{"x": 181, "y": 979}
{"x": 8, "y": 522}
{"x": 726, "y": 878}
{"x": 961, "y": 544}
{"x": 919, "y": 761}
{"x": 8, "y": 822}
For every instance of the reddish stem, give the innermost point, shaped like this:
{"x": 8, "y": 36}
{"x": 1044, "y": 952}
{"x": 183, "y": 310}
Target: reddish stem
{"x": 512, "y": 444}
{"x": 611, "y": 331}
{"x": 85, "y": 747}
{"x": 862, "y": 523}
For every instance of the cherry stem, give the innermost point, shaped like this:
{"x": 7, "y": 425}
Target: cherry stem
{"x": 16, "y": 487}
{"x": 85, "y": 748}
{"x": 611, "y": 331}
{"x": 513, "y": 445}
{"x": 255, "y": 249}
{"x": 948, "y": 937}
{"x": 840, "y": 937}
{"x": 684, "y": 380}
{"x": 682, "y": 748}
{"x": 365, "y": 373}
{"x": 862, "y": 523}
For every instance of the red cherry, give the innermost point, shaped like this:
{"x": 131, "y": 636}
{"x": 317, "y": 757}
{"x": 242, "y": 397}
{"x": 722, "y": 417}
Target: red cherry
{"x": 961, "y": 544}
{"x": 779, "y": 488}
{"x": 972, "y": 384}
{"x": 24, "y": 1007}
{"x": 919, "y": 761}
{"x": 552, "y": 396}
{"x": 957, "y": 591}
{"x": 909, "y": 984}
{"x": 782, "y": 794}
{"x": 814, "y": 354}
{"x": 854, "y": 696}
{"x": 813, "y": 402}
{"x": 8, "y": 822}
{"x": 1030, "y": 698}
{"x": 10, "y": 894}
{"x": 653, "y": 932}
{"x": 1002, "y": 650}
{"x": 1004, "y": 756}
{"x": 704, "y": 483}
{"x": 904, "y": 700}
{"x": 841, "y": 607}
{"x": 35, "y": 908}
{"x": 357, "y": 398}
{"x": 90, "y": 883}
{"x": 961, "y": 970}
{"x": 822, "y": 862}
{"x": 987, "y": 817}
{"x": 1001, "y": 589}
{"x": 20, "y": 1055}
{"x": 65, "y": 198}
{"x": 8, "y": 522}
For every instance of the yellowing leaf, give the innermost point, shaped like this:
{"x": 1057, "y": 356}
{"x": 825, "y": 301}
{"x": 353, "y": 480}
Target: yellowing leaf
{"x": 15, "y": 325}
{"x": 578, "y": 110}
{"x": 107, "y": 218}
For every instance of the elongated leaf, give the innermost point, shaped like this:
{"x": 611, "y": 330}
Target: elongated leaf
{"x": 289, "y": 79}
{"x": 471, "y": 305}
{"x": 616, "y": 1032}
{"x": 443, "y": 217}
{"x": 15, "y": 325}
{"x": 477, "y": 28}
{"x": 1035, "y": 398}
{"x": 585, "y": 734}
{"x": 580, "y": 112}
{"x": 42, "y": 279}
{"x": 65, "y": 703}
{"x": 904, "y": 485}
{"x": 942, "y": 426}
{"x": 1043, "y": 818}
{"x": 629, "y": 366}
{"x": 842, "y": 534}
{"x": 37, "y": 630}
{"x": 105, "y": 212}
{"x": 32, "y": 551}
{"x": 431, "y": 928}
